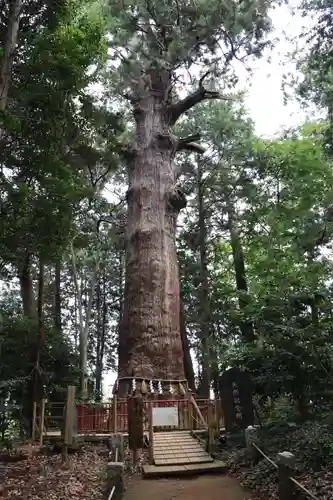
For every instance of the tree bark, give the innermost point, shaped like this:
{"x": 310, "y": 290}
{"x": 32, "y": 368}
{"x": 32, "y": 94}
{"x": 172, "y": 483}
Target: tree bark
{"x": 121, "y": 282}
{"x": 57, "y": 296}
{"x": 246, "y": 326}
{"x": 26, "y": 286}
{"x": 150, "y": 341}
{"x": 8, "y": 52}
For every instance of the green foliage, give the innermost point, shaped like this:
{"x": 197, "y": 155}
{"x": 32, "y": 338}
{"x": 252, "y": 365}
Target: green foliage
{"x": 18, "y": 340}
{"x": 315, "y": 64}
{"x": 261, "y": 475}
{"x": 312, "y": 445}
{"x": 46, "y": 126}
{"x": 162, "y": 36}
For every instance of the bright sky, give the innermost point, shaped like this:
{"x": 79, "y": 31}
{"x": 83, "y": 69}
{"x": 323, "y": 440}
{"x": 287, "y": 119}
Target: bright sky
{"x": 265, "y": 98}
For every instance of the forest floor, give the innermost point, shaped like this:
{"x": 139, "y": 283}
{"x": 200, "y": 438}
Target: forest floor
{"x": 198, "y": 488}
{"x": 205, "y": 487}
{"x": 37, "y": 476}
{"x": 48, "y": 477}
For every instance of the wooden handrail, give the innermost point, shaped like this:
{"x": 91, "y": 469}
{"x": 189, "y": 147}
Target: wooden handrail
{"x": 287, "y": 482}
{"x": 203, "y": 421}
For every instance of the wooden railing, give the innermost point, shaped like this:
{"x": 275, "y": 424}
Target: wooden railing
{"x": 288, "y": 486}
{"x": 112, "y": 417}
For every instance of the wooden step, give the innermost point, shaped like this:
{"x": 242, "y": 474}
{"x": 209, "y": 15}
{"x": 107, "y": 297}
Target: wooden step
{"x": 173, "y": 449}
{"x": 184, "y": 452}
{"x": 154, "y": 471}
{"x": 178, "y": 450}
{"x": 182, "y": 460}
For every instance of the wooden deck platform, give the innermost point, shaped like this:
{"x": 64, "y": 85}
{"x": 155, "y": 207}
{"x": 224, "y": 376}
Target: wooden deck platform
{"x": 179, "y": 453}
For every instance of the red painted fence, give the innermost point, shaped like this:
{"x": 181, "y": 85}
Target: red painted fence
{"x": 99, "y": 417}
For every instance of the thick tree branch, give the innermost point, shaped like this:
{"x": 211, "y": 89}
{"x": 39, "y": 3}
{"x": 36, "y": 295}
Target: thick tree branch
{"x": 201, "y": 94}
{"x": 189, "y": 144}
{"x": 183, "y": 142}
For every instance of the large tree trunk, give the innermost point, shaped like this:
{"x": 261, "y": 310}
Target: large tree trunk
{"x": 246, "y": 326}
{"x": 26, "y": 286}
{"x": 150, "y": 342}
{"x": 8, "y": 51}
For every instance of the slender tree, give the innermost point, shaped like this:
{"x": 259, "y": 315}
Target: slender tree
{"x": 9, "y": 45}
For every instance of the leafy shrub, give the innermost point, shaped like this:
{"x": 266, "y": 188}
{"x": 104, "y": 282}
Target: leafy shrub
{"x": 313, "y": 444}
{"x": 259, "y": 476}
{"x": 283, "y": 409}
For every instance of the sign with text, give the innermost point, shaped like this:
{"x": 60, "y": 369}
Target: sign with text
{"x": 236, "y": 399}
{"x": 163, "y": 417}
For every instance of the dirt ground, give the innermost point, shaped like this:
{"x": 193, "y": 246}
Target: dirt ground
{"x": 197, "y": 488}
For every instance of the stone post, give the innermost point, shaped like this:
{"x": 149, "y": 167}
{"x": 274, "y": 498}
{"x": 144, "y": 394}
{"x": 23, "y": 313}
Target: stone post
{"x": 286, "y": 464}
{"x": 251, "y": 437}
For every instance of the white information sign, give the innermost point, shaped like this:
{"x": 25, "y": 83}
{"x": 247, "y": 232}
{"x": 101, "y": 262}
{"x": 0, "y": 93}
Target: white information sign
{"x": 165, "y": 416}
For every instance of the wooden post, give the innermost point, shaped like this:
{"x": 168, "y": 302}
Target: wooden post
{"x": 218, "y": 414}
{"x": 135, "y": 423}
{"x": 211, "y": 427}
{"x": 42, "y": 417}
{"x": 186, "y": 419}
{"x": 34, "y": 418}
{"x": 114, "y": 413}
{"x": 69, "y": 415}
{"x": 110, "y": 423}
{"x": 190, "y": 410}
{"x": 151, "y": 432}
{"x": 285, "y": 462}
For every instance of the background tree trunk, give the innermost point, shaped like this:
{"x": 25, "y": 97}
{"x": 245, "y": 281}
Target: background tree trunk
{"x": 150, "y": 341}
{"x": 8, "y": 52}
{"x": 98, "y": 374}
{"x": 40, "y": 336}
{"x": 26, "y": 287}
{"x": 101, "y": 334}
{"x": 246, "y": 326}
{"x": 57, "y": 296}
{"x": 84, "y": 319}
{"x": 205, "y": 312}
{"x": 188, "y": 364}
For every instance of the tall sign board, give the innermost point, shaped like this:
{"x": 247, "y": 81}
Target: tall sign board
{"x": 236, "y": 392}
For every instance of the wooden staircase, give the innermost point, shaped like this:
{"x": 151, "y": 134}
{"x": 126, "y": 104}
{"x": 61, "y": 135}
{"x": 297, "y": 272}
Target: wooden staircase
{"x": 178, "y": 453}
